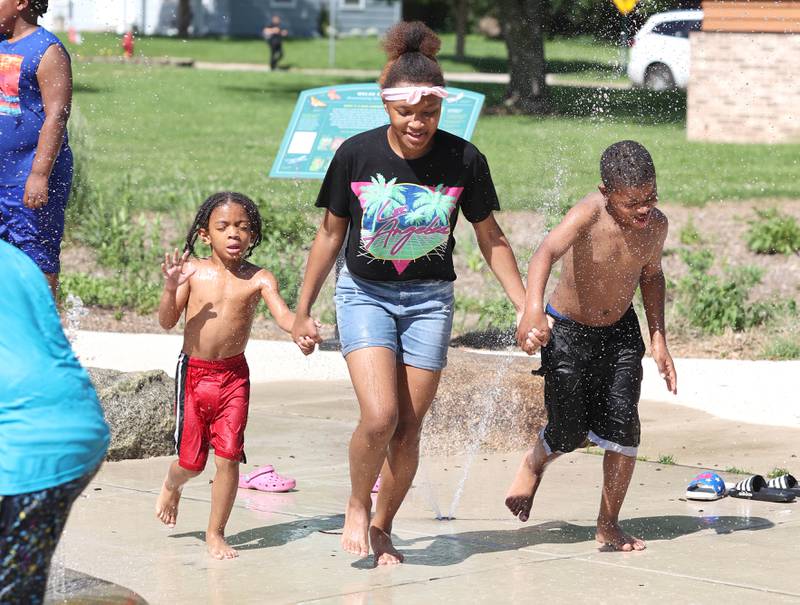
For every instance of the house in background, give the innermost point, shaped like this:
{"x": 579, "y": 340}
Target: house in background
{"x": 238, "y": 18}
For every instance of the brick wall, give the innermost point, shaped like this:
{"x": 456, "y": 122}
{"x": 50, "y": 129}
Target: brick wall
{"x": 744, "y": 88}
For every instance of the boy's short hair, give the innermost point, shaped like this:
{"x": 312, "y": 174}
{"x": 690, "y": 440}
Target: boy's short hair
{"x": 39, "y": 7}
{"x": 626, "y": 164}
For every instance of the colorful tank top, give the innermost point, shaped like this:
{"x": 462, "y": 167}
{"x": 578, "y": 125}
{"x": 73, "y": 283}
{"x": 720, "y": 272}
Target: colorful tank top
{"x": 21, "y": 107}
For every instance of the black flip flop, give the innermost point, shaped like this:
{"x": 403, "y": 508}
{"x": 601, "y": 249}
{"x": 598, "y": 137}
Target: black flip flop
{"x": 785, "y": 482}
{"x": 755, "y": 488}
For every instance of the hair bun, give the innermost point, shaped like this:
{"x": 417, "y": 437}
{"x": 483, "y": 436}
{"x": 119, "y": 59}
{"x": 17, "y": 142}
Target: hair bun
{"x": 409, "y": 37}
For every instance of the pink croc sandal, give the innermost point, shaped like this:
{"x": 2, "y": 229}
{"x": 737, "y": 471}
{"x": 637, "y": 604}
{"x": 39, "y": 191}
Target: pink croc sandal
{"x": 266, "y": 479}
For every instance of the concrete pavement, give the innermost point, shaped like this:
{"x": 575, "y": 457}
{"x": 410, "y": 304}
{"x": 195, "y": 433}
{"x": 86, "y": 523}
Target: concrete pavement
{"x": 758, "y": 392}
{"x": 731, "y": 551}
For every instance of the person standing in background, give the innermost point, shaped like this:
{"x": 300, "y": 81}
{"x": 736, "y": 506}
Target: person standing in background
{"x": 274, "y": 35}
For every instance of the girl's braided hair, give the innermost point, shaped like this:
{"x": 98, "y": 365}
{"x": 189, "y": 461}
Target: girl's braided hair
{"x": 220, "y": 199}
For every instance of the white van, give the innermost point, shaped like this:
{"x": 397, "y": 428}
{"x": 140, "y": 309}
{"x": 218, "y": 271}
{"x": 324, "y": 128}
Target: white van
{"x": 659, "y": 54}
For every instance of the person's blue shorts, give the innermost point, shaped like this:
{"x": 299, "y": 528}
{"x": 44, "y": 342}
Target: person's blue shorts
{"x": 37, "y": 232}
{"x": 412, "y": 318}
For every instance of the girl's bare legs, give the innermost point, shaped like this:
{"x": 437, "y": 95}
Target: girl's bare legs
{"x": 617, "y": 473}
{"x": 416, "y": 390}
{"x": 170, "y": 496}
{"x": 223, "y": 494}
{"x": 373, "y": 372}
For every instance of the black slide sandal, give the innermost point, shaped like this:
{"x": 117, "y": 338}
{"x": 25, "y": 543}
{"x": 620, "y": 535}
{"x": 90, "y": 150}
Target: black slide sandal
{"x": 755, "y": 488}
{"x": 785, "y": 482}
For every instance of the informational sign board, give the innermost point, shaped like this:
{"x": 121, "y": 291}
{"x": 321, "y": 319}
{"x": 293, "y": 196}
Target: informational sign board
{"x": 325, "y": 117}
{"x": 625, "y": 6}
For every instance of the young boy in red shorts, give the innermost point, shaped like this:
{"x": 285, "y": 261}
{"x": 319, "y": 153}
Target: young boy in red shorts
{"x": 592, "y": 348}
{"x": 220, "y": 295}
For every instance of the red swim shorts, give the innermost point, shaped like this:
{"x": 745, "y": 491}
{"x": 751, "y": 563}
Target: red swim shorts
{"x": 211, "y": 401}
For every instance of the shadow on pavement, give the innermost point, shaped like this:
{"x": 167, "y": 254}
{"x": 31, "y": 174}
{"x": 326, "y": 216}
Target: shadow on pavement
{"x": 452, "y": 549}
{"x": 270, "y": 536}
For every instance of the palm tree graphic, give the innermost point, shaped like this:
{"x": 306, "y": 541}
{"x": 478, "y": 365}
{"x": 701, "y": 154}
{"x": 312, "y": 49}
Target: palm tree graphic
{"x": 380, "y": 196}
{"x": 432, "y": 204}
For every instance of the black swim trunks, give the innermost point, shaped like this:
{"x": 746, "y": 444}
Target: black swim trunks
{"x": 592, "y": 383}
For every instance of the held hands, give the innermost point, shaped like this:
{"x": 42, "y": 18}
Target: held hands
{"x": 35, "y": 195}
{"x": 305, "y": 333}
{"x": 175, "y": 269}
{"x": 666, "y": 367}
{"x": 533, "y": 331}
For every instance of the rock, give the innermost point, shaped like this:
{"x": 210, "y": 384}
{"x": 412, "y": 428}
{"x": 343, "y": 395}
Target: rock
{"x": 139, "y": 410}
{"x": 486, "y": 402}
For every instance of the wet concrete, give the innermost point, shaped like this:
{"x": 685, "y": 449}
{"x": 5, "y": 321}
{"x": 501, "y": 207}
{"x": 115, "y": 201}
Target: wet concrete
{"x": 69, "y": 587}
{"x": 733, "y": 551}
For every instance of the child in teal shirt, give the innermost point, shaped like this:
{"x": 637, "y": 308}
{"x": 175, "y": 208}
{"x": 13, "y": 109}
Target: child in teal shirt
{"x": 52, "y": 433}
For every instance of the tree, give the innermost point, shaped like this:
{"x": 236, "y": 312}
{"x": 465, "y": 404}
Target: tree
{"x": 461, "y": 8}
{"x": 523, "y": 30}
{"x": 184, "y": 18}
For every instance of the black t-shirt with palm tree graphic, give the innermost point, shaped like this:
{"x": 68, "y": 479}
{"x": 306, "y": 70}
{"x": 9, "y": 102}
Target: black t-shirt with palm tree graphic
{"x": 403, "y": 212}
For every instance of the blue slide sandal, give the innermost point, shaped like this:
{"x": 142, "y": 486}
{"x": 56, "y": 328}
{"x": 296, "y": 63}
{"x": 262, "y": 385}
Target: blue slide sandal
{"x": 706, "y": 486}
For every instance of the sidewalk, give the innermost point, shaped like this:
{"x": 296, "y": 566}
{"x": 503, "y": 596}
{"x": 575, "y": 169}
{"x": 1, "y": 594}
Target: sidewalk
{"x": 759, "y": 392}
{"x": 729, "y": 551}
{"x": 450, "y": 76}
{"x": 366, "y": 74}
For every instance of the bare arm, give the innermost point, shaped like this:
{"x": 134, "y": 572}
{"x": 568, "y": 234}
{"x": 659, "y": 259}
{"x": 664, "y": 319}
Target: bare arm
{"x": 177, "y": 271}
{"x": 275, "y": 303}
{"x": 554, "y": 246}
{"x": 321, "y": 258}
{"x": 653, "y": 286}
{"x": 55, "y": 81}
{"x": 500, "y": 258}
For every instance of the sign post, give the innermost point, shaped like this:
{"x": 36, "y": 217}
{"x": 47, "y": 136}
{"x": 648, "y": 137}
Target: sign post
{"x": 332, "y": 33}
{"x": 625, "y": 8}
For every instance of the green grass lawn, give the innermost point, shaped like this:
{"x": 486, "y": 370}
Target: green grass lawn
{"x": 580, "y": 57}
{"x": 173, "y": 134}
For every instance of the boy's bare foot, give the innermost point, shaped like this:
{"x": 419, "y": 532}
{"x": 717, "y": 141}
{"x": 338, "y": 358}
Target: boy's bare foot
{"x": 167, "y": 505}
{"x": 218, "y": 547}
{"x": 356, "y": 525}
{"x": 520, "y": 495}
{"x": 385, "y": 552}
{"x": 611, "y": 537}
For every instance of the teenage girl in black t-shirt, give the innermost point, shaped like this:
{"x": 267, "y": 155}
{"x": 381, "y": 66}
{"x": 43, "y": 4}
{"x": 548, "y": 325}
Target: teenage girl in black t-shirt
{"x": 399, "y": 190}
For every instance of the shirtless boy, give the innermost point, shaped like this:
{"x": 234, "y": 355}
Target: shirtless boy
{"x": 592, "y": 348}
{"x": 220, "y": 295}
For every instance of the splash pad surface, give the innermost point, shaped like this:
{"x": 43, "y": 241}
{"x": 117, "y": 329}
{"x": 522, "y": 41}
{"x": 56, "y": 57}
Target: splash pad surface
{"x": 289, "y": 546}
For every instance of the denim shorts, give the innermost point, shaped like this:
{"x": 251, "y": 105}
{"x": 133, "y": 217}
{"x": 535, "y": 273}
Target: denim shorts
{"x": 412, "y": 318}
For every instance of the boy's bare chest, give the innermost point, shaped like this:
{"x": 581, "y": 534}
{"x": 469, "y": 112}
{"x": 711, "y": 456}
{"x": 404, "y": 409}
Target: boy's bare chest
{"x": 224, "y": 297}
{"x": 607, "y": 253}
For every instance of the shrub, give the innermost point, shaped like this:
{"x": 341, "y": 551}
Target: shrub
{"x": 714, "y": 304}
{"x": 782, "y": 348}
{"x": 132, "y": 244}
{"x": 689, "y": 235}
{"x": 773, "y": 233}
{"x": 112, "y": 292}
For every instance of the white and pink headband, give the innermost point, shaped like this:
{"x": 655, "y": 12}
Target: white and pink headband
{"x": 412, "y": 94}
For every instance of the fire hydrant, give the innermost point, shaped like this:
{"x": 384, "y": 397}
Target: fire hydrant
{"x": 127, "y": 44}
